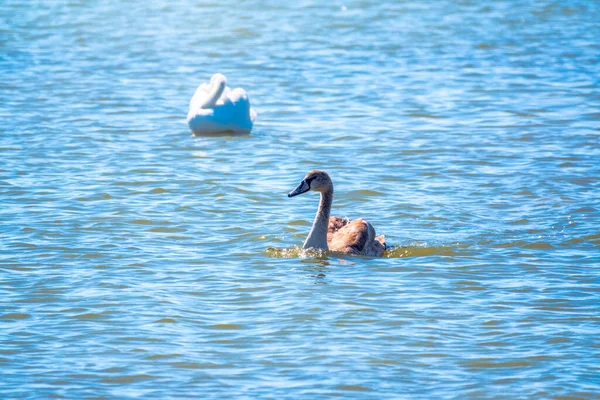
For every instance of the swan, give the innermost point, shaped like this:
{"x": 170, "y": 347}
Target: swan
{"x": 216, "y": 108}
{"x": 335, "y": 233}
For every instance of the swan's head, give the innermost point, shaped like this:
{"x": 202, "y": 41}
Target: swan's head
{"x": 218, "y": 79}
{"x": 315, "y": 180}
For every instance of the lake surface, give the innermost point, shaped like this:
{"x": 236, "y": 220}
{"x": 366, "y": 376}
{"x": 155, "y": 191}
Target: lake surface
{"x": 139, "y": 261}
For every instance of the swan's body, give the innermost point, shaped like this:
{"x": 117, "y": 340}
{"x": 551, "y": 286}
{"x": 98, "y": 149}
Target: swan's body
{"x": 216, "y": 108}
{"x": 335, "y": 233}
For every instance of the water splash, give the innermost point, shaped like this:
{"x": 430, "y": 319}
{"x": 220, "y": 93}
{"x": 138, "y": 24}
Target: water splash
{"x": 296, "y": 252}
{"x": 422, "y": 249}
{"x": 416, "y": 249}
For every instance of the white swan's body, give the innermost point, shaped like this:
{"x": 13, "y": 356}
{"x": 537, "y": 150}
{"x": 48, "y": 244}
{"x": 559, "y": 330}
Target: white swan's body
{"x": 216, "y": 108}
{"x": 335, "y": 233}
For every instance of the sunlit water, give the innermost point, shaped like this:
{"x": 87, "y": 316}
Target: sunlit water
{"x": 139, "y": 261}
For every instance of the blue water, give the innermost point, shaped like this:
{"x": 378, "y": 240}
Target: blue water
{"x": 139, "y": 261}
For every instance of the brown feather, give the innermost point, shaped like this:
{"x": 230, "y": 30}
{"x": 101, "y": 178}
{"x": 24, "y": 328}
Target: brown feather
{"x": 355, "y": 237}
{"x": 335, "y": 224}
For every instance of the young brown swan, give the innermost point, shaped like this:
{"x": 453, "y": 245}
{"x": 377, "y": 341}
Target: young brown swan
{"x": 335, "y": 233}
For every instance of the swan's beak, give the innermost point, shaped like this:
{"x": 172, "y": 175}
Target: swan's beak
{"x": 303, "y": 187}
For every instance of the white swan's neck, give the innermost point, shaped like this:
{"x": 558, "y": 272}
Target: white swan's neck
{"x": 317, "y": 238}
{"x": 217, "y": 85}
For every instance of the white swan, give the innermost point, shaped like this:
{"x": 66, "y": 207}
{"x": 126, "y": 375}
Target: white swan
{"x": 335, "y": 233}
{"x": 216, "y": 108}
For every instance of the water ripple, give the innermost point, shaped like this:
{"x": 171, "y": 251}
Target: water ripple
{"x": 137, "y": 260}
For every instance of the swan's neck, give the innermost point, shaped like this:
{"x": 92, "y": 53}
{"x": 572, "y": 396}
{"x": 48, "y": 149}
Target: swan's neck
{"x": 317, "y": 238}
{"x": 214, "y": 93}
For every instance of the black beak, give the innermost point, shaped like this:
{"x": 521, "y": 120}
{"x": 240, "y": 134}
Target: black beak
{"x": 303, "y": 187}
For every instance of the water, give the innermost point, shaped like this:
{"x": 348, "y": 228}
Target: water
{"x": 138, "y": 261}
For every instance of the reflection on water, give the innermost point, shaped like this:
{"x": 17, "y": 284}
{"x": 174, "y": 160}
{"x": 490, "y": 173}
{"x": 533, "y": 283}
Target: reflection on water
{"x": 140, "y": 261}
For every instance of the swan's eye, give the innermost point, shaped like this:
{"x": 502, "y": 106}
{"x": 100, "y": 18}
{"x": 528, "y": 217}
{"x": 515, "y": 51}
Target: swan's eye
{"x": 309, "y": 180}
